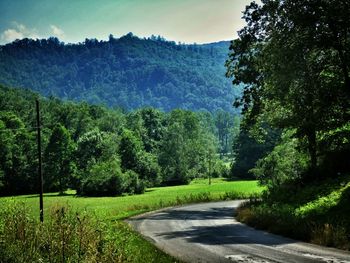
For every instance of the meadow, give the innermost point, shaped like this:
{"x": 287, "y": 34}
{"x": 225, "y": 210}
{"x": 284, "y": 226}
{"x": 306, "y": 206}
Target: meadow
{"x": 69, "y": 219}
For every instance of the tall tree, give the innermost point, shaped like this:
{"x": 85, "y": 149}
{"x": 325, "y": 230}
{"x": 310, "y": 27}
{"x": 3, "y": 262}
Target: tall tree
{"x": 130, "y": 148}
{"x": 293, "y": 59}
{"x": 17, "y": 161}
{"x": 183, "y": 150}
{"x": 58, "y": 160}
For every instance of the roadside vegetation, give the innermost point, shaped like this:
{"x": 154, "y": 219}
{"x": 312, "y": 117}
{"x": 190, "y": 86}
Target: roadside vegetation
{"x": 293, "y": 59}
{"x": 90, "y": 229}
{"x": 318, "y": 213}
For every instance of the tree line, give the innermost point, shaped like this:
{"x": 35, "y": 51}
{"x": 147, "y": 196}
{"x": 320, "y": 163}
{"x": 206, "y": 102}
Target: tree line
{"x": 101, "y": 151}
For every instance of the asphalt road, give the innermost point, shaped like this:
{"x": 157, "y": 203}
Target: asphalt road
{"x": 208, "y": 233}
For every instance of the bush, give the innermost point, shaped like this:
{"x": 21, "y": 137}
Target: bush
{"x": 107, "y": 179}
{"x": 220, "y": 169}
{"x": 103, "y": 179}
{"x": 283, "y": 164}
{"x": 132, "y": 184}
{"x": 148, "y": 169}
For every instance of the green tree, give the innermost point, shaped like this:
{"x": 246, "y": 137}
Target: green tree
{"x": 59, "y": 166}
{"x": 17, "y": 156}
{"x": 104, "y": 178}
{"x": 130, "y": 148}
{"x": 182, "y": 151}
{"x": 248, "y": 150}
{"x": 223, "y": 122}
{"x": 293, "y": 59}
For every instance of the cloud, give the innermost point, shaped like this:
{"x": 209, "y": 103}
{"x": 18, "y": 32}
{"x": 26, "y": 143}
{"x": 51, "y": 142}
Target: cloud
{"x": 11, "y": 34}
{"x": 56, "y": 31}
{"x": 18, "y": 31}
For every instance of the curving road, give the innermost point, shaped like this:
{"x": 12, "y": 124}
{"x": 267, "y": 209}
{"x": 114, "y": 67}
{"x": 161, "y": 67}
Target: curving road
{"x": 208, "y": 233}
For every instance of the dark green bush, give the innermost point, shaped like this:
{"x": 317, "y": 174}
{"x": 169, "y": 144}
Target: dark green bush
{"x": 132, "y": 183}
{"x": 284, "y": 164}
{"x": 103, "y": 179}
{"x": 148, "y": 169}
{"x": 220, "y": 169}
{"x": 107, "y": 179}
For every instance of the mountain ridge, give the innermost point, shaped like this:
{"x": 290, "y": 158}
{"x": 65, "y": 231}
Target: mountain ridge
{"x": 127, "y": 72}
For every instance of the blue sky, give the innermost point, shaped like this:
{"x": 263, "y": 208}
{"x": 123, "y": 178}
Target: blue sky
{"x": 189, "y": 21}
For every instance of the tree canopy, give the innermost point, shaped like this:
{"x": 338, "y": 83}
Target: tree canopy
{"x": 292, "y": 59}
{"x": 101, "y": 151}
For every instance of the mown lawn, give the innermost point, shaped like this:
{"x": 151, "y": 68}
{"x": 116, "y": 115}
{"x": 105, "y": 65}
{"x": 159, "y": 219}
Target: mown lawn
{"x": 120, "y": 242}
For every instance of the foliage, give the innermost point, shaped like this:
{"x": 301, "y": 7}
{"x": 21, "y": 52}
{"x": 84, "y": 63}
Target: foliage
{"x": 103, "y": 179}
{"x": 17, "y": 161}
{"x": 182, "y": 151}
{"x": 59, "y": 167}
{"x": 248, "y": 149}
{"x": 292, "y": 60}
{"x": 79, "y": 140}
{"x": 294, "y": 68}
{"x": 282, "y": 165}
{"x": 316, "y": 212}
{"x": 129, "y": 148}
{"x": 68, "y": 235}
{"x": 132, "y": 183}
{"x": 128, "y": 72}
{"x": 148, "y": 169}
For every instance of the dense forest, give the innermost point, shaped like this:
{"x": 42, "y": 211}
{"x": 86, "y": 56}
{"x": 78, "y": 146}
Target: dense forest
{"x": 101, "y": 151}
{"x": 126, "y": 72}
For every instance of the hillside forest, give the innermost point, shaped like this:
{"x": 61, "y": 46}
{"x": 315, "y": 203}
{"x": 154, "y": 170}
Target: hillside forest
{"x": 102, "y": 151}
{"x": 128, "y": 72}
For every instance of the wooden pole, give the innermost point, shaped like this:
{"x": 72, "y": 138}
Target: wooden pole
{"x": 210, "y": 168}
{"x": 40, "y": 174}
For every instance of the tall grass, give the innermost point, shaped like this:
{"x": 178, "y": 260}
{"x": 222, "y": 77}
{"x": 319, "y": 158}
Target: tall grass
{"x": 322, "y": 218}
{"x": 80, "y": 229}
{"x": 68, "y": 235}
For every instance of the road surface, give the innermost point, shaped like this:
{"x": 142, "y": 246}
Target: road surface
{"x": 208, "y": 232}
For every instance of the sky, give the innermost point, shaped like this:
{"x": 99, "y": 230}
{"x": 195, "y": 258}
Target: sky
{"x": 186, "y": 21}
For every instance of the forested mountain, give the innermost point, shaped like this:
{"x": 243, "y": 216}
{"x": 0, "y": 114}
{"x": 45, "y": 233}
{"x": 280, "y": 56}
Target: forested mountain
{"x": 127, "y": 72}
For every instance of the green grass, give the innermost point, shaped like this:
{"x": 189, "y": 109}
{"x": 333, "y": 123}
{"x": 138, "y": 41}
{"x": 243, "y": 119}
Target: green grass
{"x": 318, "y": 212}
{"x": 122, "y": 244}
{"x": 159, "y": 197}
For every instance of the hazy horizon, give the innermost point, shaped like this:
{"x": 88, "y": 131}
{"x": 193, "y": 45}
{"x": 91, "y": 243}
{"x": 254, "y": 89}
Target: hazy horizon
{"x": 186, "y": 21}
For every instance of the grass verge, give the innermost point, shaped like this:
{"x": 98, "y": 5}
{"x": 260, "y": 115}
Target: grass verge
{"x": 317, "y": 213}
{"x": 80, "y": 229}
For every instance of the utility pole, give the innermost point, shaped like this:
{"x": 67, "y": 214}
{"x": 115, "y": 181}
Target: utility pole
{"x": 40, "y": 174}
{"x": 210, "y": 166}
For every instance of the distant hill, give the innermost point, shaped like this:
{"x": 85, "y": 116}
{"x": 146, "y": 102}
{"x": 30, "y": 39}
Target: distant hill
{"x": 128, "y": 72}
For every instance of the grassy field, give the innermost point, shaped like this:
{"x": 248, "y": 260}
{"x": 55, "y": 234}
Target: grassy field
{"x": 120, "y": 242}
{"x": 125, "y": 206}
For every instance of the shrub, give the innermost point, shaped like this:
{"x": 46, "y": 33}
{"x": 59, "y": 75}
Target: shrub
{"x": 132, "y": 184}
{"x": 283, "y": 164}
{"x": 103, "y": 179}
{"x": 220, "y": 169}
{"x": 148, "y": 169}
